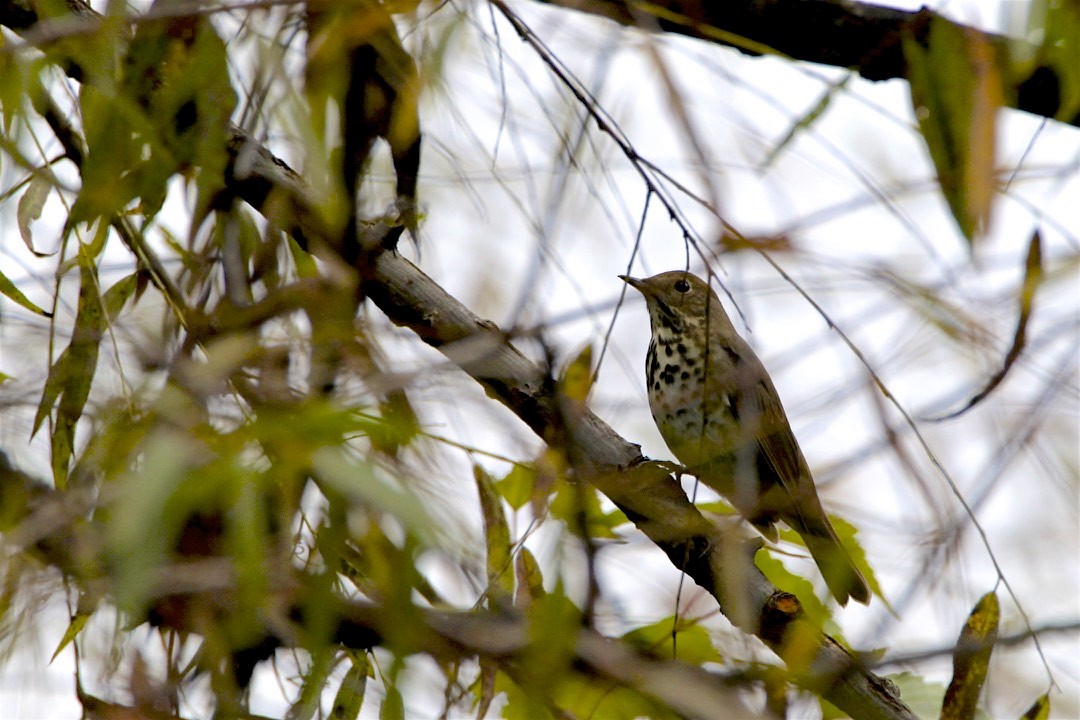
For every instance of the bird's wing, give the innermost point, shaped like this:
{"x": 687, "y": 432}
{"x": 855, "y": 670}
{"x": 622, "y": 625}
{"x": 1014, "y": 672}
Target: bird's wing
{"x": 784, "y": 476}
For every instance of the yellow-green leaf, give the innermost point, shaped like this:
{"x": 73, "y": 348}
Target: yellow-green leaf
{"x": 529, "y": 578}
{"x": 517, "y": 487}
{"x": 31, "y": 204}
{"x": 497, "y": 535}
{"x": 350, "y": 695}
{"x": 789, "y": 582}
{"x": 393, "y": 706}
{"x": 8, "y": 288}
{"x": 689, "y": 643}
{"x": 576, "y": 380}
{"x": 956, "y": 92}
{"x": 115, "y": 297}
{"x": 78, "y": 622}
{"x": 1039, "y": 710}
{"x": 75, "y": 370}
{"x": 971, "y": 660}
{"x": 315, "y": 679}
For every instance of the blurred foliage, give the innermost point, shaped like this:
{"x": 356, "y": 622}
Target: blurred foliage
{"x": 206, "y": 481}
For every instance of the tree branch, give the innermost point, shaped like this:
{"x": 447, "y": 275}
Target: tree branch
{"x": 840, "y": 33}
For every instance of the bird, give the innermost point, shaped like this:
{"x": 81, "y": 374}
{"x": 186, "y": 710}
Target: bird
{"x": 719, "y": 413}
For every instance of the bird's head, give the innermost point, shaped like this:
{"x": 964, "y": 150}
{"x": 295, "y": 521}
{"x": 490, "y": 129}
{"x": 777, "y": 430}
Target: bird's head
{"x": 679, "y": 300}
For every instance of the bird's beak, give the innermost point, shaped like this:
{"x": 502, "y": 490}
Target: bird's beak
{"x": 633, "y": 282}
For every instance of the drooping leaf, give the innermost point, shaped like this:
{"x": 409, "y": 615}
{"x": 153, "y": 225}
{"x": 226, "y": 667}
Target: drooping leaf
{"x": 215, "y": 100}
{"x": 576, "y": 379}
{"x": 528, "y": 577}
{"x": 1039, "y": 710}
{"x": 12, "y": 88}
{"x": 971, "y": 659}
{"x": 350, "y": 695}
{"x": 115, "y": 297}
{"x": 31, "y": 204}
{"x": 78, "y": 622}
{"x": 551, "y": 643}
{"x": 315, "y": 680}
{"x": 8, "y": 288}
{"x": 78, "y": 365}
{"x": 393, "y": 705}
{"x": 956, "y": 91}
{"x": 1033, "y": 276}
{"x": 500, "y": 574}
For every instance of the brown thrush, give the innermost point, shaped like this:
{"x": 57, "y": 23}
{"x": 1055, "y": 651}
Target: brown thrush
{"x": 719, "y": 413}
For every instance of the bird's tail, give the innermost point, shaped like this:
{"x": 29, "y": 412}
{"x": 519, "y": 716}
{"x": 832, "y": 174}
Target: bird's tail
{"x": 841, "y": 575}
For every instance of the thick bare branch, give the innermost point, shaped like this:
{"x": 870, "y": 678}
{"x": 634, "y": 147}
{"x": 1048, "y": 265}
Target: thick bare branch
{"x": 856, "y": 35}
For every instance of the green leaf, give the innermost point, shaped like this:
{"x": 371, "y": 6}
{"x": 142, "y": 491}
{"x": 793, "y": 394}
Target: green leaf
{"x": 1039, "y": 710}
{"x": 248, "y": 536}
{"x": 78, "y": 622}
{"x": 787, "y": 581}
{"x": 215, "y": 100}
{"x": 848, "y": 535}
{"x": 517, "y": 487}
{"x": 315, "y": 680}
{"x": 77, "y": 365}
{"x": 31, "y": 204}
{"x": 393, "y": 706}
{"x": 350, "y": 695}
{"x": 971, "y": 660}
{"x": 306, "y": 267}
{"x": 576, "y": 379}
{"x": 587, "y": 698}
{"x": 9, "y": 289}
{"x": 572, "y": 499}
{"x": 691, "y": 643}
{"x": 12, "y": 88}
{"x": 115, "y": 297}
{"x": 109, "y": 125}
{"x": 956, "y": 92}
{"x": 500, "y": 574}
{"x": 529, "y": 578}
{"x": 54, "y": 385}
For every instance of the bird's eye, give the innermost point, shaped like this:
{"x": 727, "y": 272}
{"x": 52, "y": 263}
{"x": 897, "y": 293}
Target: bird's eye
{"x": 682, "y": 286}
